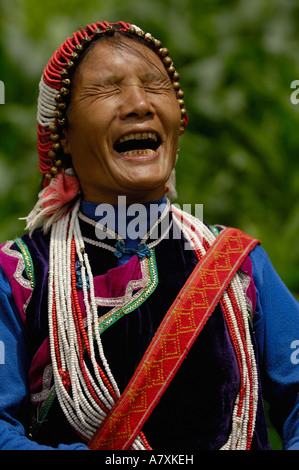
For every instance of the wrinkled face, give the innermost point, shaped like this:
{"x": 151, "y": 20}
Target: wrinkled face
{"x": 123, "y": 124}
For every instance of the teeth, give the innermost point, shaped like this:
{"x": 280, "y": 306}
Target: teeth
{"x": 135, "y": 153}
{"x": 139, "y": 136}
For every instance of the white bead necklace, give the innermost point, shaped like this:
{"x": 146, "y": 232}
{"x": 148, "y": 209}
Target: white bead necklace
{"x": 117, "y": 237}
{"x": 82, "y": 406}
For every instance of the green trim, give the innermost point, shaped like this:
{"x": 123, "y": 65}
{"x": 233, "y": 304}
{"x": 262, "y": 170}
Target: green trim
{"x": 250, "y": 317}
{"x": 43, "y": 413}
{"x": 138, "y": 300}
{"x": 29, "y": 267}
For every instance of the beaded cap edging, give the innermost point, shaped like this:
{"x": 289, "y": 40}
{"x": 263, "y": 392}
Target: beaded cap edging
{"x": 55, "y": 88}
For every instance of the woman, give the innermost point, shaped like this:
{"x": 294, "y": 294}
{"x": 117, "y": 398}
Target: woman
{"x": 85, "y": 295}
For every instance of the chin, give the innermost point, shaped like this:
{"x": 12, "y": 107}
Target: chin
{"x": 145, "y": 189}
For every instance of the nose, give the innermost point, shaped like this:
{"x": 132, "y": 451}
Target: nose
{"x": 136, "y": 103}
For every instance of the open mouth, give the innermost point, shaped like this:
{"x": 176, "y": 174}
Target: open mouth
{"x": 138, "y": 144}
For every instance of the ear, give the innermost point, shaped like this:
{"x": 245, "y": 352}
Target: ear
{"x": 65, "y": 141}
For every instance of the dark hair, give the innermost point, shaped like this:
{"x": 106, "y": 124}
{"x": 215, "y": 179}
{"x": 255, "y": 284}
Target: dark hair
{"x": 119, "y": 41}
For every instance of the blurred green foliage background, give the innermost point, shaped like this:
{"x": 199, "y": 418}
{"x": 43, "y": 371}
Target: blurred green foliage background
{"x": 237, "y": 60}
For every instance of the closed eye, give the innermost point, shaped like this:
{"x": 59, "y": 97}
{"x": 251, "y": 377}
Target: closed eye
{"x": 100, "y": 90}
{"x": 158, "y": 85}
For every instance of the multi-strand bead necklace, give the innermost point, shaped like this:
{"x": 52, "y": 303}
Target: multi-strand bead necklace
{"x": 86, "y": 392}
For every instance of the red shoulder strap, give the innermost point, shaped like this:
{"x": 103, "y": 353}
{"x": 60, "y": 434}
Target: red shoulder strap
{"x": 180, "y": 327}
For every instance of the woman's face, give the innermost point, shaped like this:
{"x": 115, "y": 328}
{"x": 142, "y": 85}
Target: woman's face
{"x": 123, "y": 124}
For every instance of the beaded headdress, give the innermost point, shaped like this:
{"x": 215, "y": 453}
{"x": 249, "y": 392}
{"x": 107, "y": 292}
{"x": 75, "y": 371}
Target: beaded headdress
{"x": 61, "y": 186}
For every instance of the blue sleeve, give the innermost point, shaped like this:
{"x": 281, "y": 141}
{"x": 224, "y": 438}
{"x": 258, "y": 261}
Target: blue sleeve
{"x": 276, "y": 327}
{"x": 14, "y": 364}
